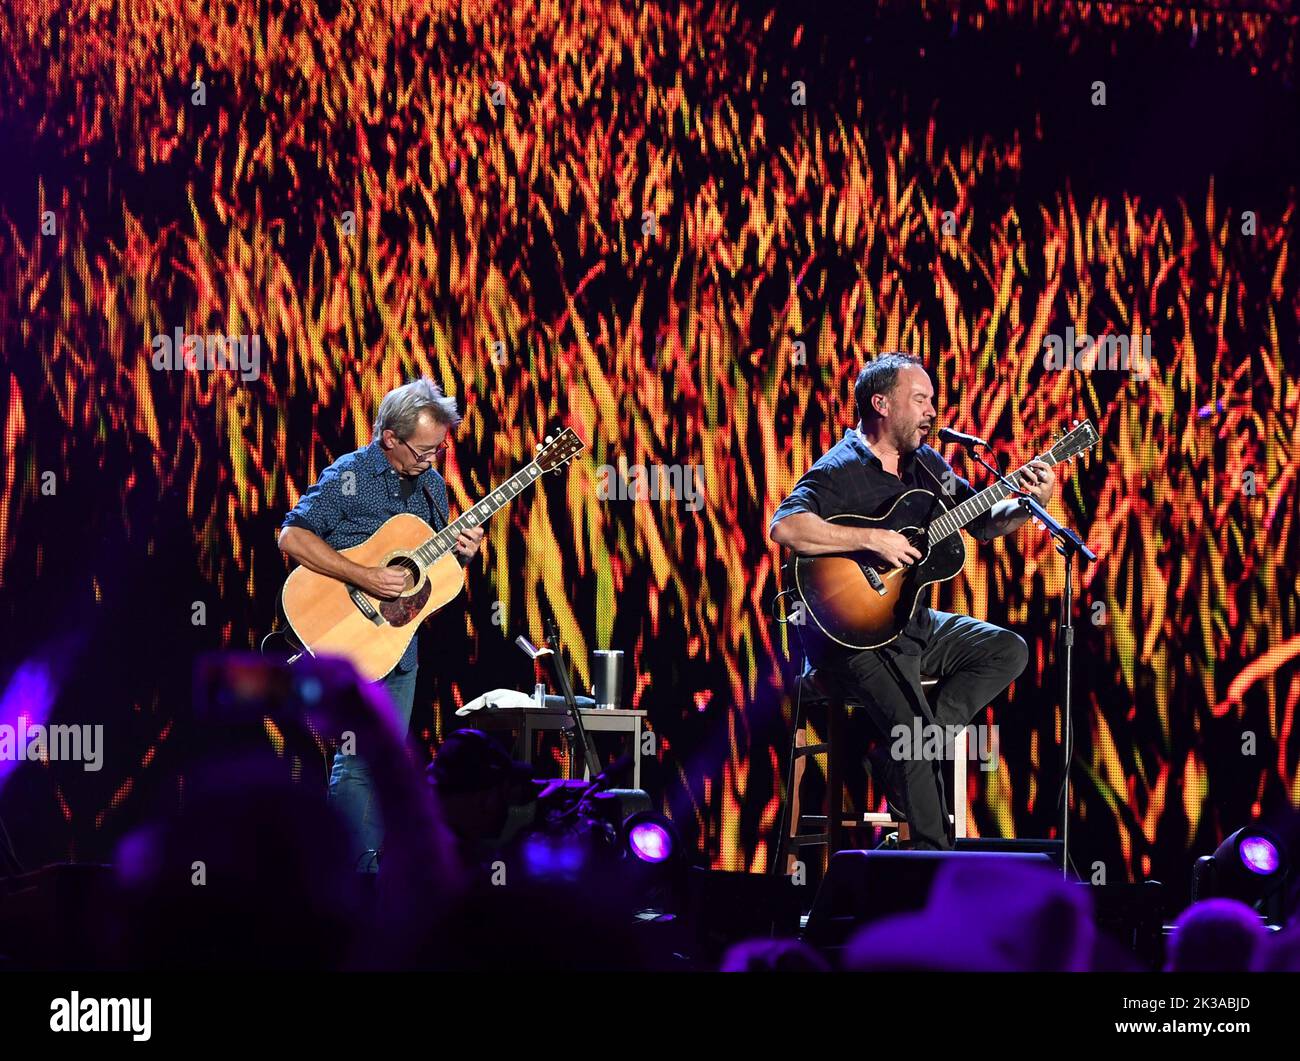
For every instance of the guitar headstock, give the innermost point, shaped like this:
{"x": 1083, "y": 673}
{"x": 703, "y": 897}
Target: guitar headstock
{"x": 1083, "y": 436}
{"x": 556, "y": 452}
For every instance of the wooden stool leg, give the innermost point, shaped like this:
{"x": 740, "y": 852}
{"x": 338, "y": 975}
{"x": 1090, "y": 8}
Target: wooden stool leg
{"x": 795, "y": 810}
{"x": 959, "y": 783}
{"x": 834, "y": 778}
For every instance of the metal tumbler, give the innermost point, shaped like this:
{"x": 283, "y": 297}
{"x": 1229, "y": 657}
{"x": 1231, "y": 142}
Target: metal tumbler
{"x": 607, "y": 678}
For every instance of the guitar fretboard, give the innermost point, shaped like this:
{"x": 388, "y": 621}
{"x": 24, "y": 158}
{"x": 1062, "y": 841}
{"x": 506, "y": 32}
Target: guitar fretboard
{"x": 955, "y": 518}
{"x": 440, "y": 544}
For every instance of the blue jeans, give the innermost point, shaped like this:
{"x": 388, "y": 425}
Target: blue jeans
{"x": 351, "y": 792}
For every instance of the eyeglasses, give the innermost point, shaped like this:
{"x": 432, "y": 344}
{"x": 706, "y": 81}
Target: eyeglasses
{"x": 436, "y": 451}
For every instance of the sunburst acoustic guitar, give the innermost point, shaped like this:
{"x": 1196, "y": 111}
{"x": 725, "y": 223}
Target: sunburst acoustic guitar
{"x": 329, "y": 616}
{"x": 860, "y": 602}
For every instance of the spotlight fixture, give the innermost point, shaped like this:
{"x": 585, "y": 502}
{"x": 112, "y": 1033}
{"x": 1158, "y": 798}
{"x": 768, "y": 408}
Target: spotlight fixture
{"x": 650, "y": 842}
{"x": 1250, "y": 865}
{"x": 1259, "y": 855}
{"x": 652, "y": 857}
{"x": 650, "y": 837}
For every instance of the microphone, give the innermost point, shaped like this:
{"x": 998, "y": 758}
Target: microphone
{"x": 947, "y": 434}
{"x": 549, "y": 624}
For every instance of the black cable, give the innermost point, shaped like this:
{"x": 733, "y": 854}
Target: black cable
{"x": 1062, "y": 795}
{"x": 7, "y": 849}
{"x": 777, "y": 618}
{"x": 283, "y": 633}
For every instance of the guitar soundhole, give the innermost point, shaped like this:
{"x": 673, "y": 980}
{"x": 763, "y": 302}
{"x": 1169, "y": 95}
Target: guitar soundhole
{"x": 409, "y": 568}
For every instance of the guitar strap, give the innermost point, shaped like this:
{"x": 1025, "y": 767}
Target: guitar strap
{"x": 439, "y": 522}
{"x": 937, "y": 481}
{"x": 928, "y": 471}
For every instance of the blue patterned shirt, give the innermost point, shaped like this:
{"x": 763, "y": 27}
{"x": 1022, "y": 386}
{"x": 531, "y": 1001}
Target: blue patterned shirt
{"x": 356, "y": 495}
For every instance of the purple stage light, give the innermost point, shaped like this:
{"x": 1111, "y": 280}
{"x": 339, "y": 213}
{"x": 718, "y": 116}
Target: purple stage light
{"x": 1259, "y": 855}
{"x": 650, "y": 842}
{"x": 24, "y": 709}
{"x": 547, "y": 858}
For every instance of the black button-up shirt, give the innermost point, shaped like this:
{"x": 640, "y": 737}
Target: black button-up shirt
{"x": 850, "y": 480}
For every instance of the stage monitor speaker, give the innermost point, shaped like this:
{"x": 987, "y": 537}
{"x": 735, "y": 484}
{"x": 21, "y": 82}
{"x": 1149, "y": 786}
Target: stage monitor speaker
{"x": 1133, "y": 915}
{"x": 59, "y": 917}
{"x": 864, "y": 886}
{"x": 725, "y": 908}
{"x": 1053, "y": 849}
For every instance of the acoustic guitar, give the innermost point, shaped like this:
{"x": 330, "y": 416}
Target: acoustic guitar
{"x": 334, "y": 617}
{"x": 861, "y": 602}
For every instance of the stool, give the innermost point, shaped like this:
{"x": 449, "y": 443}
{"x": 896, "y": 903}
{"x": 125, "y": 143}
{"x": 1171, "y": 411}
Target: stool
{"x": 833, "y": 823}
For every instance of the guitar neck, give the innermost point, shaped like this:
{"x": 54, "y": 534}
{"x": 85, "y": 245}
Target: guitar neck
{"x": 441, "y": 543}
{"x": 971, "y": 509}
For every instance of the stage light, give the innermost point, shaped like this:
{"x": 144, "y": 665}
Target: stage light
{"x": 653, "y": 863}
{"x": 650, "y": 837}
{"x": 561, "y": 857}
{"x": 1260, "y": 855}
{"x": 1250, "y": 865}
{"x": 1247, "y": 864}
{"x": 650, "y": 842}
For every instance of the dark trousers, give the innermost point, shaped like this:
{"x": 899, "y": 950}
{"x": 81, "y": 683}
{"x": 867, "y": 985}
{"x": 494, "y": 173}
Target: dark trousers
{"x": 975, "y": 662}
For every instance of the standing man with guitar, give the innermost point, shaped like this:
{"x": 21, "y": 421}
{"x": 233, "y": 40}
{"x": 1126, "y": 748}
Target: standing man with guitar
{"x": 353, "y": 498}
{"x": 864, "y": 474}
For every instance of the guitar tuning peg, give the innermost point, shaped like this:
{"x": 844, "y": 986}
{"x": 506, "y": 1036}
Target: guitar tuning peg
{"x": 539, "y": 447}
{"x": 548, "y": 440}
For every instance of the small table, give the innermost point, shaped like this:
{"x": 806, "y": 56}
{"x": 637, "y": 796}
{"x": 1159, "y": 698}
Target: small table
{"x": 529, "y": 721}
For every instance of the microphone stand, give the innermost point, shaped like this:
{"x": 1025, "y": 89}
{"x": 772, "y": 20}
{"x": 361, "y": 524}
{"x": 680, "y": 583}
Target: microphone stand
{"x": 578, "y": 730}
{"x": 1068, "y": 544}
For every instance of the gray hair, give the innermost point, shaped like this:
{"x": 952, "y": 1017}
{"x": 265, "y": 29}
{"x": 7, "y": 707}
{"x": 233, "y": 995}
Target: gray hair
{"x": 401, "y": 408}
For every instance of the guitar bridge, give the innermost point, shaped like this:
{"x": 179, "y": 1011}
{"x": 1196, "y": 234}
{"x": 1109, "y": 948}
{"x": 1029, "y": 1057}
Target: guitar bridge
{"x": 873, "y": 578}
{"x": 364, "y": 606}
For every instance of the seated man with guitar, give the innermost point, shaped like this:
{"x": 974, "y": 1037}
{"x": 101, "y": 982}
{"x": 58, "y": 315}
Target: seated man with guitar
{"x": 872, "y": 524}
{"x": 354, "y": 497}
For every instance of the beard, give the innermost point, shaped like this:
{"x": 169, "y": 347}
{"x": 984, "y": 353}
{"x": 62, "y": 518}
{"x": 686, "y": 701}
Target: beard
{"x": 911, "y": 440}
